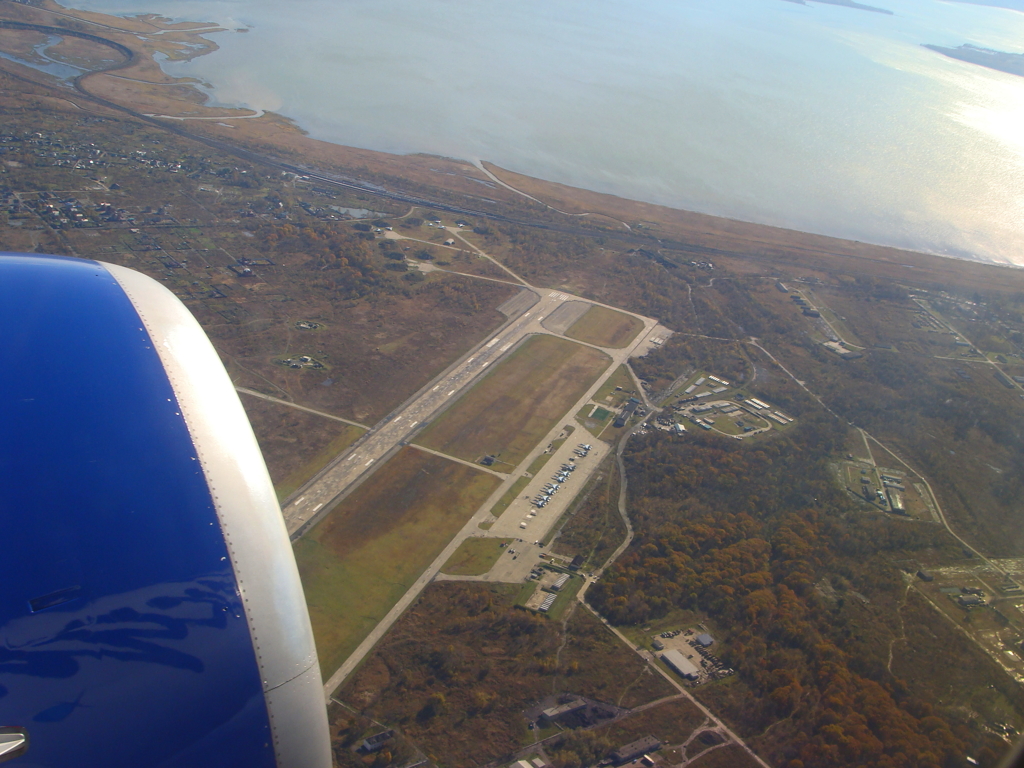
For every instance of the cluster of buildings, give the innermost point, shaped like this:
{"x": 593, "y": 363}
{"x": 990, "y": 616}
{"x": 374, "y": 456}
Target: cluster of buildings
{"x": 714, "y": 386}
{"x": 761, "y": 408}
{"x": 701, "y": 414}
{"x": 303, "y": 361}
{"x": 839, "y": 348}
{"x": 554, "y": 589}
{"x": 710, "y": 667}
{"x": 893, "y": 489}
{"x": 801, "y": 302}
{"x": 55, "y": 152}
{"x": 10, "y": 201}
{"x": 59, "y": 213}
{"x": 925, "y": 318}
{"x": 627, "y": 411}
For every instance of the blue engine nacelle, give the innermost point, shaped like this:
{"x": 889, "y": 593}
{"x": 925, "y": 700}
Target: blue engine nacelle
{"x": 151, "y": 612}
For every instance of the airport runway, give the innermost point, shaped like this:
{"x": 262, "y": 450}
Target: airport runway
{"x": 316, "y": 498}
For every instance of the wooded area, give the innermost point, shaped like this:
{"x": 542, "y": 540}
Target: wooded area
{"x": 748, "y": 535}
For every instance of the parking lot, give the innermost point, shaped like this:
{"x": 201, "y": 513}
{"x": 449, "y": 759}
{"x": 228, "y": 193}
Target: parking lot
{"x": 704, "y": 658}
{"x": 523, "y": 519}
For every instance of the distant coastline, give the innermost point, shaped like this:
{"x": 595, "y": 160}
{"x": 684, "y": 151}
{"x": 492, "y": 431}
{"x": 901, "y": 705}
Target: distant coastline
{"x": 1011, "y": 63}
{"x": 700, "y": 172}
{"x": 845, "y": 4}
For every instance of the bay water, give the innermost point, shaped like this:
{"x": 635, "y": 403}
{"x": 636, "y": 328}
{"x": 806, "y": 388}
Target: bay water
{"x": 817, "y": 117}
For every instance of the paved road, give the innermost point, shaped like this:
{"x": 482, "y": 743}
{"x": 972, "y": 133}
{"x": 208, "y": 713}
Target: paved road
{"x": 386, "y": 436}
{"x": 296, "y": 406}
{"x": 316, "y": 498}
{"x": 538, "y": 528}
{"x": 649, "y": 658}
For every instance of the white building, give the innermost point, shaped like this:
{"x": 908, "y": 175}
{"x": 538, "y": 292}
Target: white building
{"x": 680, "y": 664}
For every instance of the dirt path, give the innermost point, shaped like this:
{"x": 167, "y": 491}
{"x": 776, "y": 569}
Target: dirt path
{"x": 296, "y": 406}
{"x": 480, "y": 166}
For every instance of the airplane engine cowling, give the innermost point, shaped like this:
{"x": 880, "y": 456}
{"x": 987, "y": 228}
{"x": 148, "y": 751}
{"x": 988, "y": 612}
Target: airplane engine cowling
{"x": 151, "y": 612}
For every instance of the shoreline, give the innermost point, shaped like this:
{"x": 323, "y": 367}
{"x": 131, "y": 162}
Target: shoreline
{"x": 141, "y": 88}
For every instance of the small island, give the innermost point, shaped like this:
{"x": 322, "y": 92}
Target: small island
{"x": 847, "y": 4}
{"x": 1012, "y": 63}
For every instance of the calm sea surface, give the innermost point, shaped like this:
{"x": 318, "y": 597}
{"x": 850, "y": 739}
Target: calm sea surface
{"x": 816, "y": 117}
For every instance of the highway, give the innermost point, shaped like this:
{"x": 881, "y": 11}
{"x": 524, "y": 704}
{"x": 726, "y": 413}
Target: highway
{"x": 315, "y": 499}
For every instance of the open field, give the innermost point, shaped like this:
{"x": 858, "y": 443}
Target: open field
{"x": 605, "y": 327}
{"x": 517, "y": 403}
{"x": 543, "y": 458}
{"x": 996, "y": 625}
{"x": 670, "y": 723}
{"x": 950, "y": 674}
{"x": 509, "y": 496}
{"x": 360, "y": 559}
{"x": 594, "y": 418}
{"x": 296, "y": 445}
{"x": 475, "y": 557}
{"x": 617, "y": 389}
{"x": 593, "y": 527}
{"x": 377, "y": 353}
{"x": 729, "y": 756}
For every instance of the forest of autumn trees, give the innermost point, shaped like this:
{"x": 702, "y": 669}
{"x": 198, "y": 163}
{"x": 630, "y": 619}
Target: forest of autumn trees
{"x": 743, "y": 534}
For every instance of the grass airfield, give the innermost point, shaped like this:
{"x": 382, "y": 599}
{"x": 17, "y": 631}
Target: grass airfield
{"x": 515, "y": 405}
{"x": 358, "y": 561}
{"x": 605, "y": 327}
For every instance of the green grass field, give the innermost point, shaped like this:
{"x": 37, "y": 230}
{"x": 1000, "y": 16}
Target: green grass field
{"x": 509, "y": 496}
{"x": 620, "y": 378}
{"x": 369, "y": 550}
{"x": 605, "y": 328}
{"x": 475, "y": 557}
{"x": 591, "y": 425}
{"x": 518, "y": 402}
{"x": 299, "y": 477}
{"x": 538, "y": 463}
{"x": 565, "y": 599}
